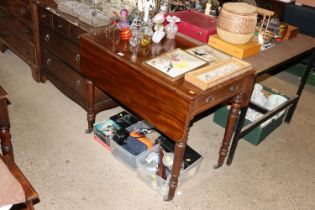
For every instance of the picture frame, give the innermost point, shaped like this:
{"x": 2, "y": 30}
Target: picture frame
{"x": 175, "y": 64}
{"x": 208, "y": 53}
{"x": 219, "y": 72}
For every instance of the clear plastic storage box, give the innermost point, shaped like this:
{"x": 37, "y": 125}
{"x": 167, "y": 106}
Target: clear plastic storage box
{"x": 122, "y": 154}
{"x": 157, "y": 183}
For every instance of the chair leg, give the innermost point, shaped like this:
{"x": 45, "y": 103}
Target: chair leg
{"x": 29, "y": 205}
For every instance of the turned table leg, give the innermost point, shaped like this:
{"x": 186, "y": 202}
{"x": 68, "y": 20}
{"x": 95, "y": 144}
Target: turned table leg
{"x": 231, "y": 122}
{"x": 6, "y": 144}
{"x": 90, "y": 105}
{"x": 177, "y": 164}
{"x": 5, "y": 136}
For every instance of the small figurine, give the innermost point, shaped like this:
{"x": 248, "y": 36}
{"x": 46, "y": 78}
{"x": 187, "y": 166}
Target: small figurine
{"x": 159, "y": 33}
{"x": 123, "y": 23}
{"x": 125, "y": 32}
{"x": 147, "y": 6}
{"x": 136, "y": 28}
{"x": 171, "y": 28}
{"x": 147, "y": 33}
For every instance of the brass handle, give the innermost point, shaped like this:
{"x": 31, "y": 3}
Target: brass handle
{"x": 208, "y": 99}
{"x": 59, "y": 26}
{"x": 77, "y": 57}
{"x": 78, "y": 37}
{"x": 43, "y": 16}
{"x": 47, "y": 37}
{"x": 233, "y": 88}
{"x": 78, "y": 83}
{"x": 48, "y": 61}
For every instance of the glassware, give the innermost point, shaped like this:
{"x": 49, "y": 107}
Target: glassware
{"x": 171, "y": 28}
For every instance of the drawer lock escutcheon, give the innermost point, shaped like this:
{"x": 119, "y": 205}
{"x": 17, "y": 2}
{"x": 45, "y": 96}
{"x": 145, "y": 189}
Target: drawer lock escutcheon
{"x": 234, "y": 88}
{"x": 78, "y": 83}
{"x": 48, "y": 61}
{"x": 25, "y": 30}
{"x": 47, "y": 37}
{"x": 77, "y": 57}
{"x": 209, "y": 99}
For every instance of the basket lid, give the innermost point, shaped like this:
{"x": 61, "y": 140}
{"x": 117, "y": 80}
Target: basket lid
{"x": 240, "y": 8}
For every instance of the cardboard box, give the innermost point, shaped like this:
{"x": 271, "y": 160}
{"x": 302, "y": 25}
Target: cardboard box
{"x": 310, "y": 3}
{"x": 158, "y": 184}
{"x": 195, "y": 24}
{"x": 292, "y": 32}
{"x": 236, "y": 50}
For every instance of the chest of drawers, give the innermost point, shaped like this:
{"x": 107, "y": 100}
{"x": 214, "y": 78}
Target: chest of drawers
{"x": 17, "y": 31}
{"x": 60, "y": 58}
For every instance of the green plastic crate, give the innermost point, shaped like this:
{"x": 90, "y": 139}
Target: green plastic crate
{"x": 255, "y": 136}
{"x": 259, "y": 133}
{"x": 298, "y": 70}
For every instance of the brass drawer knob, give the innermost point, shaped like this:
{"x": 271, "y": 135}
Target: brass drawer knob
{"x": 77, "y": 57}
{"x": 48, "y": 61}
{"x": 43, "y": 16}
{"x": 47, "y": 37}
{"x": 209, "y": 99}
{"x": 59, "y": 26}
{"x": 234, "y": 88}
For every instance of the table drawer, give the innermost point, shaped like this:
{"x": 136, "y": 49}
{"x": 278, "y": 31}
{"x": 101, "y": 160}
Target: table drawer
{"x": 211, "y": 98}
{"x": 61, "y": 26}
{"x": 44, "y": 16}
{"x": 60, "y": 46}
{"x": 62, "y": 72}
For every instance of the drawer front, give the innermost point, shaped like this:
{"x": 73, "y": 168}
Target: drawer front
{"x": 62, "y": 26}
{"x": 27, "y": 2}
{"x": 212, "y": 98}
{"x": 10, "y": 5}
{"x": 5, "y": 17}
{"x": 24, "y": 31}
{"x": 44, "y": 16}
{"x": 57, "y": 68}
{"x": 24, "y": 12}
{"x": 24, "y": 48}
{"x": 62, "y": 47}
{"x": 76, "y": 32}
{"x": 5, "y": 33}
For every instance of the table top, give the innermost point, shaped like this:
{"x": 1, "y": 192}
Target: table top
{"x": 282, "y": 52}
{"x": 168, "y": 105}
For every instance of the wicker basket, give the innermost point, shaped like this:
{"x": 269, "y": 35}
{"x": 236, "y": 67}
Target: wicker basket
{"x": 236, "y": 22}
